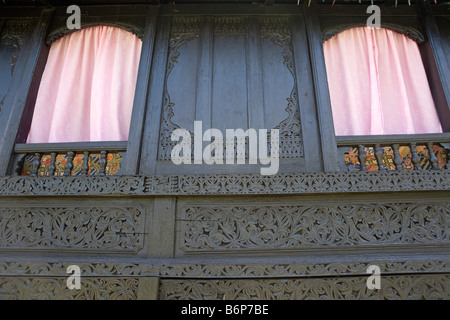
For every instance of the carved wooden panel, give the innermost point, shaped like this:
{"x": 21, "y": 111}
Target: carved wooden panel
{"x": 404, "y": 287}
{"x": 108, "y": 280}
{"x": 12, "y": 35}
{"x": 257, "y": 269}
{"x": 231, "y": 72}
{"x": 222, "y": 184}
{"x": 51, "y": 288}
{"x": 306, "y": 225}
{"x": 80, "y": 227}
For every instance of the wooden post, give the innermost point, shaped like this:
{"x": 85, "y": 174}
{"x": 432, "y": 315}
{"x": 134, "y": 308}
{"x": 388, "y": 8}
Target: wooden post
{"x": 322, "y": 94}
{"x": 140, "y": 98}
{"x": 15, "y": 100}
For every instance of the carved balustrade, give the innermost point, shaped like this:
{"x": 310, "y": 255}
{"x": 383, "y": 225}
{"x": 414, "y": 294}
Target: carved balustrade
{"x": 66, "y": 159}
{"x": 394, "y": 152}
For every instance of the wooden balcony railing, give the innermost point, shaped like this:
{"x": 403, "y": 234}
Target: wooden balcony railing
{"x": 394, "y": 152}
{"x": 65, "y": 159}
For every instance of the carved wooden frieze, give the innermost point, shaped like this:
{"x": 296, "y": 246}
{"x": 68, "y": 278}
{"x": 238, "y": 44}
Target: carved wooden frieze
{"x": 50, "y": 288}
{"x": 214, "y": 269}
{"x": 404, "y": 287}
{"x": 72, "y": 228}
{"x": 222, "y": 184}
{"x": 120, "y": 280}
{"x": 311, "y": 225}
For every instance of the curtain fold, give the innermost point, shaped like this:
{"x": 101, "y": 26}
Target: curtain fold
{"x": 87, "y": 88}
{"x": 378, "y": 84}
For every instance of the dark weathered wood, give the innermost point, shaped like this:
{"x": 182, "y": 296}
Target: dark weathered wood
{"x": 85, "y": 165}
{"x": 433, "y": 159}
{"x": 362, "y": 157}
{"x": 140, "y": 99}
{"x": 230, "y": 9}
{"x": 103, "y": 155}
{"x": 319, "y": 73}
{"x": 27, "y": 117}
{"x": 436, "y": 43}
{"x": 414, "y": 156}
{"x": 403, "y": 139}
{"x": 255, "y": 86}
{"x": 379, "y": 155}
{"x": 15, "y": 100}
{"x": 69, "y": 164}
{"x": 203, "y": 108}
{"x": 52, "y": 166}
{"x": 74, "y": 146}
{"x": 397, "y": 159}
{"x": 154, "y": 97}
{"x": 305, "y": 89}
{"x": 36, "y": 164}
{"x": 435, "y": 84}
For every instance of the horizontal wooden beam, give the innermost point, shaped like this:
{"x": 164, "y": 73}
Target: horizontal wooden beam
{"x": 72, "y": 146}
{"x": 390, "y": 139}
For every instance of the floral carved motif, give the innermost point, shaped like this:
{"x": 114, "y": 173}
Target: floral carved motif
{"x": 417, "y": 287}
{"x": 278, "y": 31}
{"x": 227, "y": 184}
{"x": 312, "y": 225}
{"x": 40, "y": 288}
{"x": 91, "y": 228}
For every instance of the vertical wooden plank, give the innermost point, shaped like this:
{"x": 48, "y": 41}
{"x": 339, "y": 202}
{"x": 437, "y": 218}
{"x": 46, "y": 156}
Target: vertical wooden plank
{"x": 435, "y": 39}
{"x": 140, "y": 98}
{"x": 148, "y": 288}
{"x": 205, "y": 72}
{"x": 161, "y": 238}
{"x": 307, "y": 103}
{"x": 149, "y": 153}
{"x": 255, "y": 89}
{"x": 15, "y": 99}
{"x": 229, "y": 85}
{"x": 322, "y": 95}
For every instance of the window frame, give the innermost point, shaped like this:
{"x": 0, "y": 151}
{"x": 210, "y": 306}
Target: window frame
{"x": 139, "y": 20}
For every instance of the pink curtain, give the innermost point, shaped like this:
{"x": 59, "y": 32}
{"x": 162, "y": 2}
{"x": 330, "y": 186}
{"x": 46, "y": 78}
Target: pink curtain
{"x": 378, "y": 84}
{"x": 87, "y": 88}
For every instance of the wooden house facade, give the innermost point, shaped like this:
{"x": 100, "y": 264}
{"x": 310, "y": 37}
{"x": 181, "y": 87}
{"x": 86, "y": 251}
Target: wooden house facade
{"x": 142, "y": 227}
